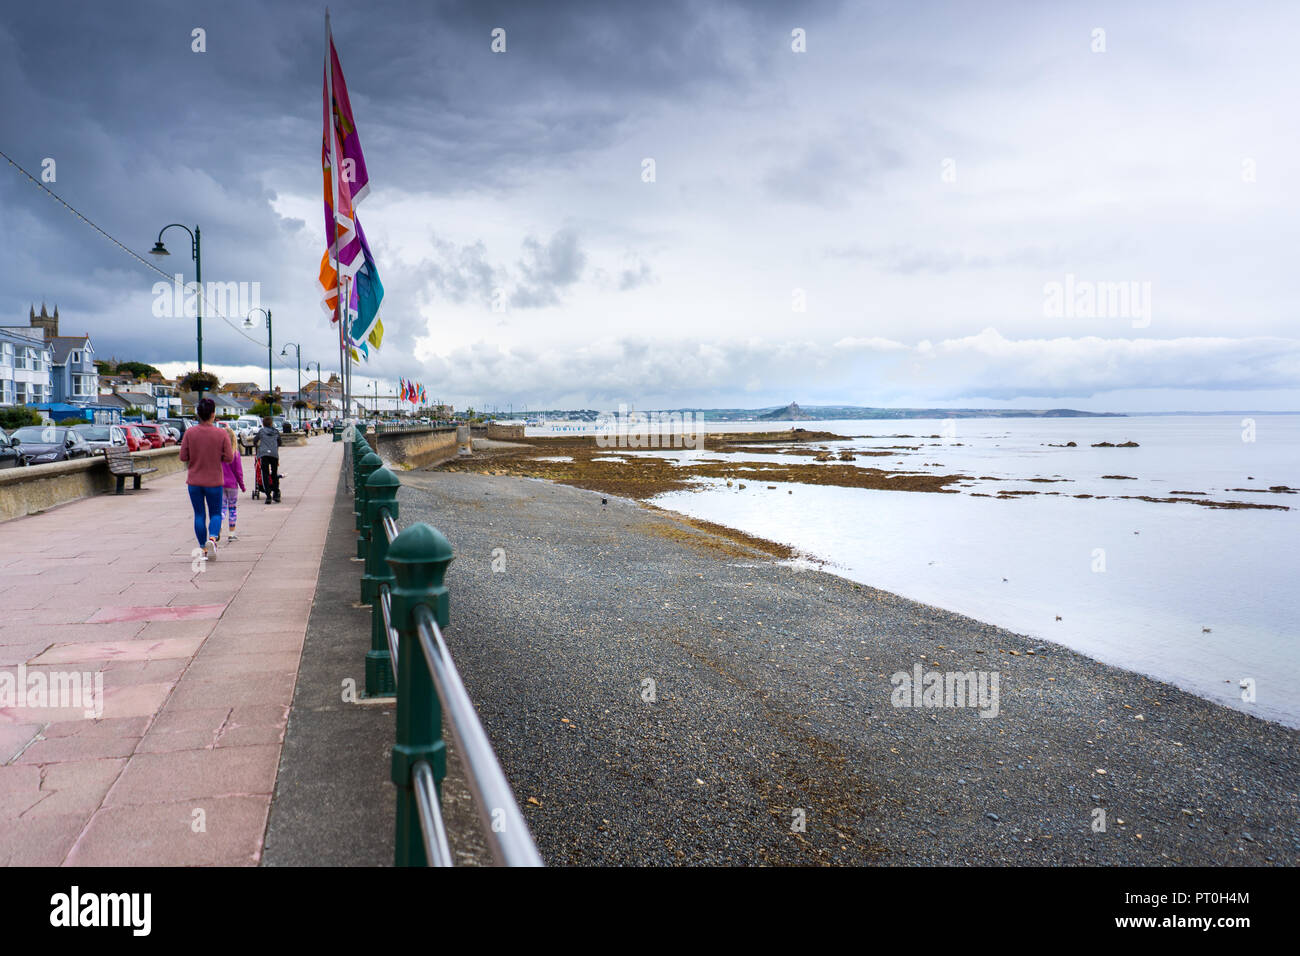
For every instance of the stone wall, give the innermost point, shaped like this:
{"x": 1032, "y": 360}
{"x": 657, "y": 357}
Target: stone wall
{"x": 505, "y": 432}
{"x": 416, "y": 449}
{"x": 24, "y": 491}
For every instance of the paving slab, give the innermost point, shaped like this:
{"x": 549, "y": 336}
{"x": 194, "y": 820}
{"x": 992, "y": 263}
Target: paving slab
{"x": 189, "y": 666}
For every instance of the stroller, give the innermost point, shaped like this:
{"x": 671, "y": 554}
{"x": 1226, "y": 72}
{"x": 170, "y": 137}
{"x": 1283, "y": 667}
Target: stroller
{"x": 258, "y": 490}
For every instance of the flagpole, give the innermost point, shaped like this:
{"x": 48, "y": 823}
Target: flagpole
{"x": 345, "y": 289}
{"x": 332, "y": 241}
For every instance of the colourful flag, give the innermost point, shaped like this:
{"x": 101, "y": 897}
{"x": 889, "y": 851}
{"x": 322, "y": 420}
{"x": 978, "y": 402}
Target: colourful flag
{"x": 346, "y": 183}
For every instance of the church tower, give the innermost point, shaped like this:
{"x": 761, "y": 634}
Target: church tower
{"x": 49, "y": 324}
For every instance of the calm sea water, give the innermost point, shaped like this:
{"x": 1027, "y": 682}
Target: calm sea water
{"x": 1135, "y": 583}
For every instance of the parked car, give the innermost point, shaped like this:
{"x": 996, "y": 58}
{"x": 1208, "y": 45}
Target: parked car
{"x": 245, "y": 429}
{"x": 282, "y": 424}
{"x": 9, "y": 455}
{"x": 135, "y": 440}
{"x": 158, "y": 435}
{"x": 174, "y": 432}
{"x": 180, "y": 424}
{"x": 43, "y": 444}
{"x": 102, "y": 437}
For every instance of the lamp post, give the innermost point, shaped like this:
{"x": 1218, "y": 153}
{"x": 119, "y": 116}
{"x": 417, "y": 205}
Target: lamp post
{"x": 160, "y": 250}
{"x": 248, "y": 324}
{"x": 298, "y": 352}
{"x": 319, "y": 373}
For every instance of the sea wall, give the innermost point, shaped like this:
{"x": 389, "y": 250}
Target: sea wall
{"x": 416, "y": 448}
{"x": 24, "y": 491}
{"x": 505, "y": 432}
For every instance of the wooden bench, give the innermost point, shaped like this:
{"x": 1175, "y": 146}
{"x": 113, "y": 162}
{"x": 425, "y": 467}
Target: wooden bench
{"x": 121, "y": 464}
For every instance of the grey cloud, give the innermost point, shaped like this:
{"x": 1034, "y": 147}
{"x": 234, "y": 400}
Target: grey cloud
{"x": 547, "y": 269}
{"x": 640, "y": 275}
{"x": 823, "y": 173}
{"x": 460, "y": 272}
{"x": 986, "y": 365}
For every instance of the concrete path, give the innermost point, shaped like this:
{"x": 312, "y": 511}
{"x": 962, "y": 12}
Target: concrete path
{"x": 197, "y": 669}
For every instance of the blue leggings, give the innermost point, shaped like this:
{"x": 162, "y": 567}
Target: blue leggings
{"x": 211, "y": 498}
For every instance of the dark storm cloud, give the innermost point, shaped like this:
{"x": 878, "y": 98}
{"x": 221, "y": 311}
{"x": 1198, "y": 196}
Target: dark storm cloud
{"x": 145, "y": 132}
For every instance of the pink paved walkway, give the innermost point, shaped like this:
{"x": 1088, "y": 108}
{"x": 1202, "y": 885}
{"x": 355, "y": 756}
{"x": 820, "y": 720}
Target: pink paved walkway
{"x": 198, "y": 670}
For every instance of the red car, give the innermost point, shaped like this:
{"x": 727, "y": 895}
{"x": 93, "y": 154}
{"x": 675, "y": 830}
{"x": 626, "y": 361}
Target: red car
{"x": 135, "y": 439}
{"x": 158, "y": 435}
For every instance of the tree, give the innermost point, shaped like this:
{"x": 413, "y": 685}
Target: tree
{"x": 17, "y": 416}
{"x": 198, "y": 382}
{"x": 264, "y": 409}
{"x": 139, "y": 370}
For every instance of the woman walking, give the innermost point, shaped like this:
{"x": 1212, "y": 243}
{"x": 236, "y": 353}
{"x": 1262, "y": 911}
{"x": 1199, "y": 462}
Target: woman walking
{"x": 205, "y": 448}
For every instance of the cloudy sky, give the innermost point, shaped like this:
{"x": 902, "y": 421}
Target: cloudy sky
{"x": 893, "y": 216}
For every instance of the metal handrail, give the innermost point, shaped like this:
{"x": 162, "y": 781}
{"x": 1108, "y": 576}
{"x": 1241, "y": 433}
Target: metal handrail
{"x": 507, "y": 834}
{"x": 432, "y": 828}
{"x": 386, "y": 609}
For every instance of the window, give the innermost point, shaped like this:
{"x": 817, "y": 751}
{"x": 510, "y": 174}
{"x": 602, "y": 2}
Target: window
{"x": 7, "y": 392}
{"x": 21, "y": 390}
{"x": 23, "y": 358}
{"x": 6, "y": 353}
{"x": 75, "y": 357}
{"x": 81, "y": 385}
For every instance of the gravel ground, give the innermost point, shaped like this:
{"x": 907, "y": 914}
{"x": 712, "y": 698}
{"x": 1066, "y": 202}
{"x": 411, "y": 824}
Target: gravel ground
{"x": 772, "y": 700}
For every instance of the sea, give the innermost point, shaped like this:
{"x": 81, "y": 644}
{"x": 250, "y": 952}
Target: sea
{"x": 1207, "y": 599}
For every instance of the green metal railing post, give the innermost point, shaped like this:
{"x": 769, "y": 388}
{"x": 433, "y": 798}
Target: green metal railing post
{"x": 381, "y": 498}
{"x": 359, "y": 451}
{"x": 381, "y": 492}
{"x": 369, "y": 464}
{"x": 418, "y": 558}
{"x": 360, "y": 448}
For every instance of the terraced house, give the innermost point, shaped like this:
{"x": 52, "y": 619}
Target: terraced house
{"x": 24, "y": 366}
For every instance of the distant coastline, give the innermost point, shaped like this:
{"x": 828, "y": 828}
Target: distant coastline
{"x": 796, "y": 413}
{"x": 807, "y": 413}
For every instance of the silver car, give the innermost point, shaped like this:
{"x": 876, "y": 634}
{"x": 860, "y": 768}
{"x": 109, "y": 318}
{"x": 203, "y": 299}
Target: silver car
{"x": 101, "y": 437}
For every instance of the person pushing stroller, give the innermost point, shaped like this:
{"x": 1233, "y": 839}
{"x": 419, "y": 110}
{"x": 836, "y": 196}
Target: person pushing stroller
{"x": 268, "y": 459}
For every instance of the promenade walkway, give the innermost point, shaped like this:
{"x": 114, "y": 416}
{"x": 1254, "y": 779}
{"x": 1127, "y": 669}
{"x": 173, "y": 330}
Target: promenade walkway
{"x": 197, "y": 668}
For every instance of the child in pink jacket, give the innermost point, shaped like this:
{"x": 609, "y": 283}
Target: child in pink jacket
{"x": 234, "y": 484}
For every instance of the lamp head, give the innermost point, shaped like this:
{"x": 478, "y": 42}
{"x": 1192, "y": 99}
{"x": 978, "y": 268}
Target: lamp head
{"x": 159, "y": 249}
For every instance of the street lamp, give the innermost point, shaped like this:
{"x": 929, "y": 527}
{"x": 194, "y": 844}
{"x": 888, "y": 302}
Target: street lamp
{"x": 249, "y": 324}
{"x": 298, "y": 352}
{"x": 160, "y": 250}
{"x": 319, "y": 373}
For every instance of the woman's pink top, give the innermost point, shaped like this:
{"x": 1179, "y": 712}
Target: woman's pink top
{"x": 206, "y": 447}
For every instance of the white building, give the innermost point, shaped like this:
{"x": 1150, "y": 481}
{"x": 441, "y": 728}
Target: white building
{"x": 24, "y": 366}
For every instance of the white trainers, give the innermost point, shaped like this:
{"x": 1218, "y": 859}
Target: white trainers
{"x": 232, "y": 536}
{"x": 210, "y": 550}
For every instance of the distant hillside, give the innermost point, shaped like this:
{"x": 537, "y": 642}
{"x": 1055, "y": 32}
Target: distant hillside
{"x": 807, "y": 413}
{"x": 791, "y": 413}
{"x": 796, "y": 413}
